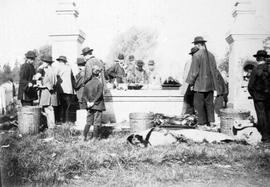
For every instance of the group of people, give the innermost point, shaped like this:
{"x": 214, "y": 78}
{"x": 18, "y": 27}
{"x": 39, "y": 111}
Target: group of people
{"x": 54, "y": 85}
{"x": 132, "y": 71}
{"x": 202, "y": 79}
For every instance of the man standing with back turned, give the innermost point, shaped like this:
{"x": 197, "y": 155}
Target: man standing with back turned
{"x": 202, "y": 78}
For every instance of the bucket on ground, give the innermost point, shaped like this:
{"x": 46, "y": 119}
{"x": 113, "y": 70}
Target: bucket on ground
{"x": 140, "y": 121}
{"x": 228, "y": 116}
{"x": 29, "y": 119}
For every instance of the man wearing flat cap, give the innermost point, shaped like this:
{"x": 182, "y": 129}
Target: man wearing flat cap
{"x": 79, "y": 85}
{"x": 27, "y": 93}
{"x": 117, "y": 70}
{"x": 48, "y": 96}
{"x": 259, "y": 89}
{"x": 94, "y": 102}
{"x": 202, "y": 78}
{"x": 91, "y": 60}
{"x": 188, "y": 103}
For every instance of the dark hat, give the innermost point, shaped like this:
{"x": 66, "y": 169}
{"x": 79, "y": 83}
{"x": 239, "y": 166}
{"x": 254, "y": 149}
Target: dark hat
{"x": 80, "y": 62}
{"x": 151, "y": 62}
{"x": 139, "y": 63}
{"x": 121, "y": 56}
{"x": 199, "y": 39}
{"x": 47, "y": 59}
{"x": 131, "y": 57}
{"x": 193, "y": 50}
{"x": 30, "y": 54}
{"x": 62, "y": 58}
{"x": 86, "y": 50}
{"x": 261, "y": 53}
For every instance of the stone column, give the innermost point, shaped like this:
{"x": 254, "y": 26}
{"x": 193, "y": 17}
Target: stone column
{"x": 67, "y": 38}
{"x": 245, "y": 38}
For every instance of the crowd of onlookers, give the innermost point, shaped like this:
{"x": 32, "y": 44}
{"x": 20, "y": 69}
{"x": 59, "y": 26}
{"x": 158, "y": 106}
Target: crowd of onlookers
{"x": 55, "y": 85}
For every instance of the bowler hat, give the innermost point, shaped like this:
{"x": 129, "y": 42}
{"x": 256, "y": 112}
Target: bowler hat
{"x": 80, "y": 62}
{"x": 261, "y": 53}
{"x": 151, "y": 62}
{"x": 139, "y": 63}
{"x": 47, "y": 58}
{"x": 30, "y": 54}
{"x": 193, "y": 50}
{"x": 199, "y": 39}
{"x": 86, "y": 50}
{"x": 62, "y": 58}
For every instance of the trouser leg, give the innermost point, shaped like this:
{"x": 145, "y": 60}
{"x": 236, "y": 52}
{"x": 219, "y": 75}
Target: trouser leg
{"x": 209, "y": 106}
{"x": 200, "y": 107}
{"x": 97, "y": 123}
{"x": 50, "y": 116}
{"x": 90, "y": 121}
{"x": 267, "y": 125}
{"x": 261, "y": 115}
{"x": 68, "y": 105}
{"x": 62, "y": 107}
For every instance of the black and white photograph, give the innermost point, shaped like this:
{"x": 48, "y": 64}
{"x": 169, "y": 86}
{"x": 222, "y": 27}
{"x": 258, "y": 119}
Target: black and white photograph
{"x": 135, "y": 93}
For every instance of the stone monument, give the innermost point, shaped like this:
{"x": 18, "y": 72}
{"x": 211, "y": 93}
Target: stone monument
{"x": 67, "y": 38}
{"x": 245, "y": 38}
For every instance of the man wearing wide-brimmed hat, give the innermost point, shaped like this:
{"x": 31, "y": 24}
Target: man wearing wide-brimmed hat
{"x": 202, "y": 77}
{"x": 91, "y": 60}
{"x": 27, "y": 94}
{"x": 48, "y": 96}
{"x": 259, "y": 89}
{"x": 117, "y": 70}
{"x": 65, "y": 80}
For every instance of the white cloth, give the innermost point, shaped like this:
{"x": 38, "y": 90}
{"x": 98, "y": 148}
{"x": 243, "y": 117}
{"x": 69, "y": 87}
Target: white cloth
{"x": 8, "y": 86}
{"x": 2, "y": 100}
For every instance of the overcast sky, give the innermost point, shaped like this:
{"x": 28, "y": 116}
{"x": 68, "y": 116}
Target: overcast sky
{"x": 25, "y": 24}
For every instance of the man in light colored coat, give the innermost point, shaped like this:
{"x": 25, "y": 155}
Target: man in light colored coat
{"x": 65, "y": 90}
{"x": 202, "y": 77}
{"x": 48, "y": 97}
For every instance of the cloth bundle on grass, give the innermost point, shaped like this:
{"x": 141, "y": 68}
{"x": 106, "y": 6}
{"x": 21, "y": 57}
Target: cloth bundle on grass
{"x": 185, "y": 121}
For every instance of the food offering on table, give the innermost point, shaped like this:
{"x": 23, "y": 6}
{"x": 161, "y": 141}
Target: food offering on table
{"x": 171, "y": 83}
{"x": 134, "y": 86}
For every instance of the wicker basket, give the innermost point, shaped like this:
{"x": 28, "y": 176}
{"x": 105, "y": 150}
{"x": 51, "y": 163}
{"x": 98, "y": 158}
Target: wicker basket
{"x": 227, "y": 118}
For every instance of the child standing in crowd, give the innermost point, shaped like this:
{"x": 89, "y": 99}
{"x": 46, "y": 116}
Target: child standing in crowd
{"x": 94, "y": 101}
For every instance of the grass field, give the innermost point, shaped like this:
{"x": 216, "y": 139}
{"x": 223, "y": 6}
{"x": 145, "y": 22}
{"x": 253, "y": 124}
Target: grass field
{"x": 68, "y": 161}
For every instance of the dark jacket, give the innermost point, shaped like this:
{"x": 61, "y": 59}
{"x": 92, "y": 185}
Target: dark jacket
{"x": 116, "y": 72}
{"x": 26, "y": 93}
{"x": 259, "y": 82}
{"x": 93, "y": 92}
{"x": 79, "y": 85}
{"x": 88, "y": 69}
{"x": 202, "y": 73}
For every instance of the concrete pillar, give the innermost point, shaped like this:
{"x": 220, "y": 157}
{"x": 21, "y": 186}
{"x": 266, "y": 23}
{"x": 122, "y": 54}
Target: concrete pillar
{"x": 245, "y": 38}
{"x": 67, "y": 38}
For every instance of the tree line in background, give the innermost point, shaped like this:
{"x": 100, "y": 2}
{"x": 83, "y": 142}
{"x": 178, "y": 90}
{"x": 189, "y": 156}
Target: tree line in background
{"x": 7, "y": 72}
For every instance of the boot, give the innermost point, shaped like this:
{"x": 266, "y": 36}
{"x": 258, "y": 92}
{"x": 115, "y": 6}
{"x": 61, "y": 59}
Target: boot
{"x": 95, "y": 132}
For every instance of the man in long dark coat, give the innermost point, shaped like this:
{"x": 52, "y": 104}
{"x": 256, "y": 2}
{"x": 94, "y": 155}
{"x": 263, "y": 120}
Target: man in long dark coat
{"x": 79, "y": 86}
{"x": 202, "y": 77}
{"x": 117, "y": 70}
{"x": 259, "y": 89}
{"x": 27, "y": 93}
